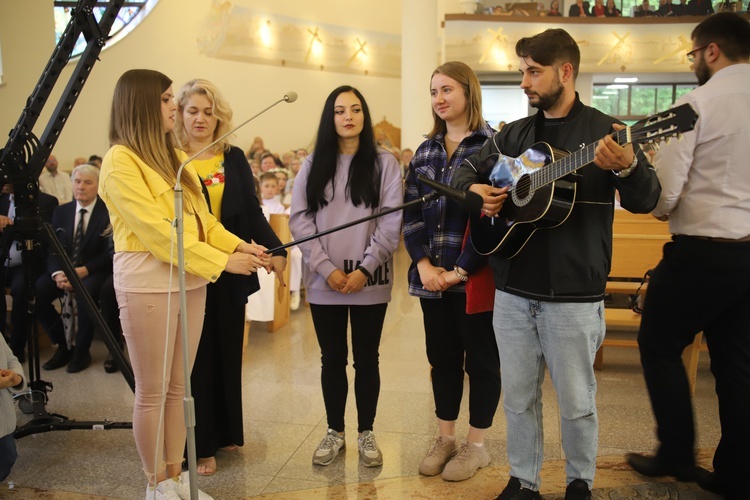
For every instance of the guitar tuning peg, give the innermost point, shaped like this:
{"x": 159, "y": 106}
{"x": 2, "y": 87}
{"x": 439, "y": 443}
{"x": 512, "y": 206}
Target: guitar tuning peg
{"x": 679, "y": 137}
{"x": 668, "y": 140}
{"x": 656, "y": 146}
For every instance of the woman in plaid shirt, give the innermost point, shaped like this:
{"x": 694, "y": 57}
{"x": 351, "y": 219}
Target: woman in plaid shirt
{"x": 457, "y": 342}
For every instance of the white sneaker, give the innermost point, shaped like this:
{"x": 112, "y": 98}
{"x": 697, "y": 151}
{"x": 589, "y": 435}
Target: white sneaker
{"x": 182, "y": 488}
{"x": 369, "y": 452}
{"x": 163, "y": 491}
{"x": 329, "y": 448}
{"x": 294, "y": 299}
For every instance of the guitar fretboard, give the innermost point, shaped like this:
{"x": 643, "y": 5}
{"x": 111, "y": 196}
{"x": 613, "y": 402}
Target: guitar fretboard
{"x": 570, "y": 163}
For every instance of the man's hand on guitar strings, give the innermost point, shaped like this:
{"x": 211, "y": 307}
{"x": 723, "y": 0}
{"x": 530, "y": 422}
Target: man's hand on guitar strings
{"x": 611, "y": 156}
{"x": 493, "y": 197}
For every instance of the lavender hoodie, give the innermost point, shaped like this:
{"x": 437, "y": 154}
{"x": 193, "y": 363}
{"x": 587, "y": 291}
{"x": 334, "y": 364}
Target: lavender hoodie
{"x": 370, "y": 244}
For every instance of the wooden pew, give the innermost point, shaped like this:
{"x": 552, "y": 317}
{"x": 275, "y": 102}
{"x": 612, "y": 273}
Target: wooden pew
{"x": 637, "y": 242}
{"x": 281, "y": 308}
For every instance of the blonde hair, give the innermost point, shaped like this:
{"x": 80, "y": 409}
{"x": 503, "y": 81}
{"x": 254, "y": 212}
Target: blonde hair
{"x": 219, "y": 106}
{"x": 465, "y": 77}
{"x": 136, "y": 122}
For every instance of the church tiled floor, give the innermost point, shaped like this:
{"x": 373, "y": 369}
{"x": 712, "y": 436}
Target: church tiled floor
{"x": 285, "y": 419}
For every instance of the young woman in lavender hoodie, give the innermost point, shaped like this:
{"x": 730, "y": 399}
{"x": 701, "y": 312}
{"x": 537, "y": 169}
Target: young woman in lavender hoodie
{"x": 349, "y": 273}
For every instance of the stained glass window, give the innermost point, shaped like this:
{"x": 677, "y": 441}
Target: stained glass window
{"x": 131, "y": 13}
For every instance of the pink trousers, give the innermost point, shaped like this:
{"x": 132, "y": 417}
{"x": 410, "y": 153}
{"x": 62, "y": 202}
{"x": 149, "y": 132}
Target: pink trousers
{"x": 144, "y": 321}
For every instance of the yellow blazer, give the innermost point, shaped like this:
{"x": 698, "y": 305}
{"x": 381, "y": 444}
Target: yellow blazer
{"x": 141, "y": 209}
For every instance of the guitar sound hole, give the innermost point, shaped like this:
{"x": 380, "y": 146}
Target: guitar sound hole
{"x": 523, "y": 187}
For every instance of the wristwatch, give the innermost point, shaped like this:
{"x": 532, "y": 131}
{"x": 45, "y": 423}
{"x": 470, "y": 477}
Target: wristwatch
{"x": 627, "y": 171}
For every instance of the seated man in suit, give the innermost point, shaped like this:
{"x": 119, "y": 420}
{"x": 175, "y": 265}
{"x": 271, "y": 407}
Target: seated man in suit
{"x": 13, "y": 271}
{"x": 80, "y": 225}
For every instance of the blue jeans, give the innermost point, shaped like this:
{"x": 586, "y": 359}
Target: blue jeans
{"x": 566, "y": 336}
{"x": 8, "y": 455}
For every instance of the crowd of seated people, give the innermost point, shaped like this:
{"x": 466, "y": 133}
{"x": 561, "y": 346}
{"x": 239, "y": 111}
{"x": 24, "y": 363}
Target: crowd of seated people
{"x": 608, "y": 8}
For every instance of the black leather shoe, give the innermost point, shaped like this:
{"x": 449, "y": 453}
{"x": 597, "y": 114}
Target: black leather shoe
{"x": 708, "y": 481}
{"x": 653, "y": 467}
{"x": 81, "y": 360}
{"x": 578, "y": 490}
{"x": 59, "y": 359}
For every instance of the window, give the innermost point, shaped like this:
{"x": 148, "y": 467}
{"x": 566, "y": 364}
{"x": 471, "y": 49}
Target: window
{"x": 131, "y": 13}
{"x": 630, "y": 103}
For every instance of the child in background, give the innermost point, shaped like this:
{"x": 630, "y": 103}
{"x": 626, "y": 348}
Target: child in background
{"x": 269, "y": 188}
{"x": 11, "y": 377}
{"x": 285, "y": 195}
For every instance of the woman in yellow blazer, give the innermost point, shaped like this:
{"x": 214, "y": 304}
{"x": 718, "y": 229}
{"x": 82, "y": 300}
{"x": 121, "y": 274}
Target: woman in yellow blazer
{"x": 136, "y": 183}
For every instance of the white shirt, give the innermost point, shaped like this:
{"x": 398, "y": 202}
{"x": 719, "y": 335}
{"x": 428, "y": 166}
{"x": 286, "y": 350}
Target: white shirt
{"x": 58, "y": 185}
{"x": 705, "y": 178}
{"x": 89, "y": 209}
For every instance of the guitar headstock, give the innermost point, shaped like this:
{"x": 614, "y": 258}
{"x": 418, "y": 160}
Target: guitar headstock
{"x": 662, "y": 126}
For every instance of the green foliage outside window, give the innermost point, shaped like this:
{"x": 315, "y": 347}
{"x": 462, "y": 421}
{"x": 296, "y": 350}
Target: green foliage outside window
{"x": 637, "y": 101}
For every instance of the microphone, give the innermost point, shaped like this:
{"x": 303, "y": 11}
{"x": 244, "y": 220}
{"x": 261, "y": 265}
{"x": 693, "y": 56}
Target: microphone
{"x": 471, "y": 202}
{"x": 290, "y": 96}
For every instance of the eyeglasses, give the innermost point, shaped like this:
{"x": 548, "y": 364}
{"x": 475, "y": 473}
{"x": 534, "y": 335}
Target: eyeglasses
{"x": 691, "y": 55}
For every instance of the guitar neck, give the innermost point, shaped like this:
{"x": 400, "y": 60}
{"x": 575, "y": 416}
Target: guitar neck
{"x": 572, "y": 162}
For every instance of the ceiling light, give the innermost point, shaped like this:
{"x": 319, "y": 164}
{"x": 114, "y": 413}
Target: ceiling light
{"x": 622, "y": 79}
{"x": 617, "y": 86}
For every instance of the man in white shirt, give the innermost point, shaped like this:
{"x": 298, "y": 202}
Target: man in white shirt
{"x": 703, "y": 280}
{"x": 54, "y": 182}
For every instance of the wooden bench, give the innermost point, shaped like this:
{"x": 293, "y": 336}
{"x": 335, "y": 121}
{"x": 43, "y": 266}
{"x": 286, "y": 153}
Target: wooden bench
{"x": 637, "y": 242}
{"x": 281, "y": 307}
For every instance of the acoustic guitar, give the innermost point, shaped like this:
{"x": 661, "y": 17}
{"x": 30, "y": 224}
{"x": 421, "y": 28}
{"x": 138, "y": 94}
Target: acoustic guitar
{"x": 539, "y": 197}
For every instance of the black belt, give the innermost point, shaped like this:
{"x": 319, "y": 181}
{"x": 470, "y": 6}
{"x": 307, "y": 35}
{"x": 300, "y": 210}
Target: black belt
{"x": 718, "y": 240}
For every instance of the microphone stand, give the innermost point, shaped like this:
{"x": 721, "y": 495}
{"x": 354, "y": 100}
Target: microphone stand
{"x": 189, "y": 402}
{"x": 424, "y": 199}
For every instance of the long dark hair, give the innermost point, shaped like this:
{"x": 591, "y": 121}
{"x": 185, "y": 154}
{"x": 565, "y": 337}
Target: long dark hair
{"x": 363, "y": 184}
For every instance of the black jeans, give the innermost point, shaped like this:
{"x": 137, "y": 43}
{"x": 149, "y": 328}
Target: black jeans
{"x": 367, "y": 326}
{"x": 458, "y": 342}
{"x": 700, "y": 285}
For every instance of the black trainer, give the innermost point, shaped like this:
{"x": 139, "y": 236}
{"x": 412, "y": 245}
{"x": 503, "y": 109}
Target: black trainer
{"x": 577, "y": 490}
{"x": 514, "y": 491}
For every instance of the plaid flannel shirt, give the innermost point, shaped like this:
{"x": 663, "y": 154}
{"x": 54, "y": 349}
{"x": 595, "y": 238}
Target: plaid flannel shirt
{"x": 437, "y": 230}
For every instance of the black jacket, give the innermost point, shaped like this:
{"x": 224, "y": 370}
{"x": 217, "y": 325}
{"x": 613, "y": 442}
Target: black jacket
{"x": 241, "y": 214}
{"x": 577, "y": 253}
{"x": 95, "y": 253}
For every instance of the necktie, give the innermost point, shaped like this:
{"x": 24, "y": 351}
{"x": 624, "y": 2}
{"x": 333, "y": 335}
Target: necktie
{"x": 78, "y": 240}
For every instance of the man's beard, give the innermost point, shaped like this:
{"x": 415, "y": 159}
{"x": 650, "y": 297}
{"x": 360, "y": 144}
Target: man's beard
{"x": 548, "y": 100}
{"x": 702, "y": 72}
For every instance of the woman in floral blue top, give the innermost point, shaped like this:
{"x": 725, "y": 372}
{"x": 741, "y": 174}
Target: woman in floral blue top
{"x": 457, "y": 342}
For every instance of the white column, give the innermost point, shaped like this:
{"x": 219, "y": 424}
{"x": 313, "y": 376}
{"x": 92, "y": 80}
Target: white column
{"x": 419, "y": 58}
